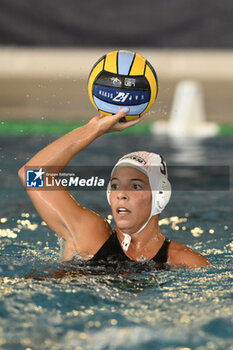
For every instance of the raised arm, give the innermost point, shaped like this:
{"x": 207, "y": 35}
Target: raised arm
{"x": 83, "y": 230}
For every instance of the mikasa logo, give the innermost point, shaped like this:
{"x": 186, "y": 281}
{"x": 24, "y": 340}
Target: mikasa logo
{"x": 106, "y": 94}
{"x": 118, "y": 96}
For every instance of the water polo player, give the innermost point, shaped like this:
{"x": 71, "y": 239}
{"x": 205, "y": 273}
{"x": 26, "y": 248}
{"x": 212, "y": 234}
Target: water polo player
{"x": 138, "y": 192}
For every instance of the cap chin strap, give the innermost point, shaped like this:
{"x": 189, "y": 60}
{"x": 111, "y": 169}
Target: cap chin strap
{"x": 126, "y": 241}
{"x": 127, "y": 238}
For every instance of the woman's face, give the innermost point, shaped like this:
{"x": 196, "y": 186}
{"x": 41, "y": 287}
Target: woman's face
{"x": 130, "y": 199}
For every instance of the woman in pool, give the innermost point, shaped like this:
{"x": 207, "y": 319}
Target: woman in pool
{"x": 138, "y": 192}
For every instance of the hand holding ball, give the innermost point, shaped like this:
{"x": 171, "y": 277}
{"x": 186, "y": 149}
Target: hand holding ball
{"x": 123, "y": 79}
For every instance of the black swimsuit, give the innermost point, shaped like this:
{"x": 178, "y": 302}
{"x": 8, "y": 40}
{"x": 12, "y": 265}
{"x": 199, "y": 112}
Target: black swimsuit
{"x": 111, "y": 250}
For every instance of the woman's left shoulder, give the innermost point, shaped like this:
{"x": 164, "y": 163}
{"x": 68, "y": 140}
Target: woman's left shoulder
{"x": 181, "y": 255}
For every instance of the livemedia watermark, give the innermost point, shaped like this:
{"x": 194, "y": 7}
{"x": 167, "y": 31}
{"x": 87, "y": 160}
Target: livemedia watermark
{"x": 70, "y": 178}
{"x": 96, "y": 178}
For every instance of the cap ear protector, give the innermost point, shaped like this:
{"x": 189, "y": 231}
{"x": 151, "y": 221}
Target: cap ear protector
{"x": 108, "y": 192}
{"x": 163, "y": 196}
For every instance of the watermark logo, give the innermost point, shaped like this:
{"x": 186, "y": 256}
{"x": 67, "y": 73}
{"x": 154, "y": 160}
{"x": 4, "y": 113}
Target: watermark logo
{"x": 96, "y": 178}
{"x": 35, "y": 178}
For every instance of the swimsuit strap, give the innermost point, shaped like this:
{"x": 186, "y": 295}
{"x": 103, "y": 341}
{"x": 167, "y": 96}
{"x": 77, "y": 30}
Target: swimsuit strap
{"x": 162, "y": 255}
{"x": 112, "y": 247}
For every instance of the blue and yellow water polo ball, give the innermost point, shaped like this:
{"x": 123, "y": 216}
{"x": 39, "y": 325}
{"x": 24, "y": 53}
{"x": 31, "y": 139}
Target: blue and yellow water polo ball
{"x": 123, "y": 79}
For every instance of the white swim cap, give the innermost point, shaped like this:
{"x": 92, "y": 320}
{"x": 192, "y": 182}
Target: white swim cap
{"x": 155, "y": 168}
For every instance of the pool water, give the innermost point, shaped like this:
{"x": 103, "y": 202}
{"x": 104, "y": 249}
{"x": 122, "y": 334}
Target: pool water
{"x": 177, "y": 309}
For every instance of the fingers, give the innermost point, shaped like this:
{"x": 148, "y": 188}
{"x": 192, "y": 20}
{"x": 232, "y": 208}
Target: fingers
{"x": 122, "y": 113}
{"x": 113, "y": 122}
{"x": 129, "y": 123}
